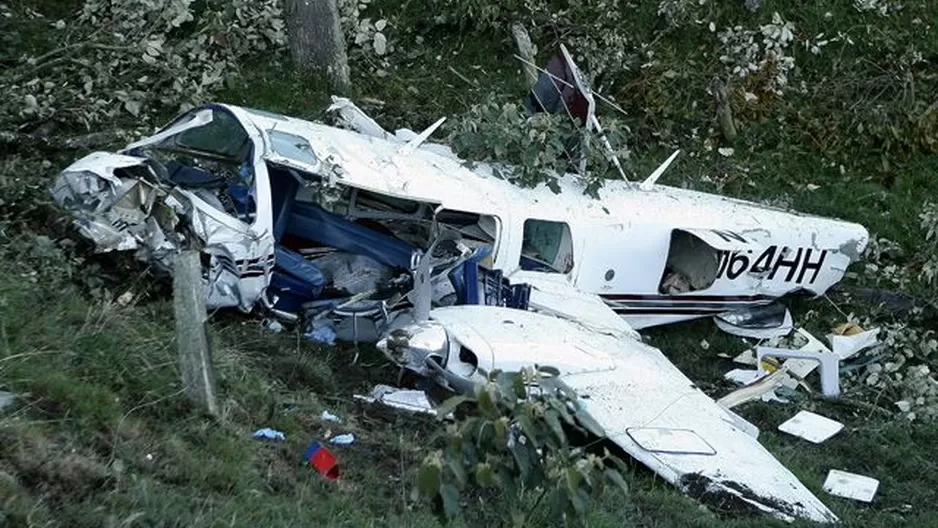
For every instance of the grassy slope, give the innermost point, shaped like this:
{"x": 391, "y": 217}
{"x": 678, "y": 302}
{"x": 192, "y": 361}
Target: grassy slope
{"x": 102, "y": 436}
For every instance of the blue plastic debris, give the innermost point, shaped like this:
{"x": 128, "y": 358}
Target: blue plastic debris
{"x": 268, "y": 434}
{"x": 343, "y": 439}
{"x": 321, "y": 332}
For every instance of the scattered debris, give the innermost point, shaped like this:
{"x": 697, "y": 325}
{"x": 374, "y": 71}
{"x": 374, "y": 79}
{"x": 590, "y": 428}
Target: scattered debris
{"x": 851, "y": 485}
{"x": 327, "y": 416}
{"x": 322, "y": 460}
{"x": 849, "y": 339}
{"x": 6, "y": 399}
{"x": 766, "y": 322}
{"x": 829, "y": 365}
{"x": 810, "y": 426}
{"x": 762, "y": 389}
{"x": 321, "y": 332}
{"x": 806, "y": 354}
{"x": 408, "y": 400}
{"x": 268, "y": 434}
{"x": 342, "y": 439}
{"x": 272, "y": 325}
{"x": 126, "y": 298}
{"x": 745, "y": 376}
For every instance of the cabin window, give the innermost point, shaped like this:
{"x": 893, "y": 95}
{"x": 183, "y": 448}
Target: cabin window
{"x": 292, "y": 147}
{"x": 223, "y": 136}
{"x": 547, "y": 247}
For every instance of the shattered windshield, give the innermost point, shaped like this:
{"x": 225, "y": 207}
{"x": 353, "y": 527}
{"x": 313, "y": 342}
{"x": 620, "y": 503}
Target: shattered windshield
{"x": 223, "y": 136}
{"x": 209, "y": 156}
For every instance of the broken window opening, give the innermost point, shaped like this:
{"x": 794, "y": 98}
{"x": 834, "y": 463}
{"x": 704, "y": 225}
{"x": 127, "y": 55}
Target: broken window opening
{"x": 692, "y": 265}
{"x": 212, "y": 160}
{"x": 546, "y": 247}
{"x": 361, "y": 246}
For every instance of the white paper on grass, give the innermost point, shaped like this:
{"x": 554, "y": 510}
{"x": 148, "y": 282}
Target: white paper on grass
{"x": 810, "y": 426}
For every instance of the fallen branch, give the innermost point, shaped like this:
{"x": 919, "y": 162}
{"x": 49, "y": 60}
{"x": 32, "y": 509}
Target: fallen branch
{"x": 94, "y": 140}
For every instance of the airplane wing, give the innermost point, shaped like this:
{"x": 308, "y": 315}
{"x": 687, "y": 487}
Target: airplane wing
{"x": 643, "y": 402}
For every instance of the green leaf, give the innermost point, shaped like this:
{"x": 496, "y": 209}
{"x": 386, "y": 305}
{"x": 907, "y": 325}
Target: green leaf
{"x": 449, "y": 406}
{"x": 527, "y": 424}
{"x": 519, "y": 388}
{"x": 580, "y": 500}
{"x": 501, "y": 430}
{"x": 553, "y": 420}
{"x": 506, "y": 481}
{"x": 573, "y": 480}
{"x": 616, "y": 478}
{"x": 459, "y": 472}
{"x": 428, "y": 479}
{"x": 522, "y": 459}
{"x": 450, "y": 496}
{"x": 485, "y": 476}
{"x": 487, "y": 402}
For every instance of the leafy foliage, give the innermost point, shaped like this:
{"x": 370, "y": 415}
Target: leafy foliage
{"x": 540, "y": 148}
{"x": 518, "y": 444}
{"x": 133, "y": 58}
{"x": 833, "y": 78}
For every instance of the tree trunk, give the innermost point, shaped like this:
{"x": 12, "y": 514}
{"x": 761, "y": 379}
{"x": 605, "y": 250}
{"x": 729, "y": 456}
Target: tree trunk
{"x": 316, "y": 40}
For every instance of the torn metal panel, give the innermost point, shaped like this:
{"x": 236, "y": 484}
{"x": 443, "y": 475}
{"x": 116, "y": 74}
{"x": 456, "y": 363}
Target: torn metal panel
{"x": 851, "y": 485}
{"x": 414, "y": 401}
{"x": 763, "y": 322}
{"x": 810, "y": 426}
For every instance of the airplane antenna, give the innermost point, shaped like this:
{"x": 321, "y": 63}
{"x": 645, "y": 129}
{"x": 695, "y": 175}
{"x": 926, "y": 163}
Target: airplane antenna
{"x": 423, "y": 136}
{"x": 653, "y": 177}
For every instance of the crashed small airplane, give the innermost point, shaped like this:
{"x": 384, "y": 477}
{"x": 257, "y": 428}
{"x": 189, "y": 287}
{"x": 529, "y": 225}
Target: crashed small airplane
{"x": 361, "y": 234}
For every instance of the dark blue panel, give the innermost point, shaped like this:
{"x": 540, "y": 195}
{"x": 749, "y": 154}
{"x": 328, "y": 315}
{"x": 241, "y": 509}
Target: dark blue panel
{"x": 295, "y": 280}
{"x": 283, "y": 189}
{"x": 312, "y": 222}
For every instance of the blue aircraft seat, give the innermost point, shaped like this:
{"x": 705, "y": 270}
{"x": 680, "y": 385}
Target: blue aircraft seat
{"x": 295, "y": 280}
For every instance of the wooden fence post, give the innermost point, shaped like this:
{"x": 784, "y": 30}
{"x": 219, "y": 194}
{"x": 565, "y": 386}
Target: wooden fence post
{"x": 195, "y": 355}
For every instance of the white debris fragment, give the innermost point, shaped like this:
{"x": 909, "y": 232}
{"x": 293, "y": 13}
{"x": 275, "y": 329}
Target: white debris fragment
{"x": 810, "y": 426}
{"x": 726, "y": 151}
{"x": 745, "y": 376}
{"x": 125, "y": 298}
{"x": 409, "y": 400}
{"x": 904, "y": 406}
{"x": 851, "y": 485}
{"x": 343, "y": 439}
{"x": 846, "y": 346}
{"x": 763, "y": 389}
{"x": 6, "y": 399}
{"x": 327, "y": 416}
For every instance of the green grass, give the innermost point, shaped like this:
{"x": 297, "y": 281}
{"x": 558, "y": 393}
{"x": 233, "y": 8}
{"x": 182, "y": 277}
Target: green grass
{"x": 102, "y": 435}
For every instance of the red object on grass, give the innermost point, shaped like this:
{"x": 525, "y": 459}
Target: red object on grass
{"x": 322, "y": 460}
